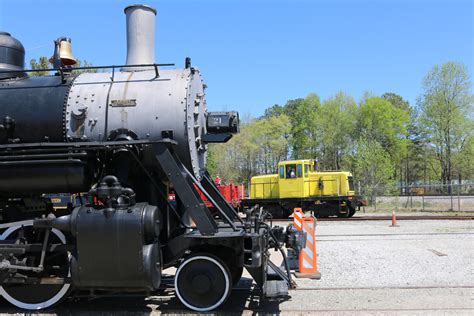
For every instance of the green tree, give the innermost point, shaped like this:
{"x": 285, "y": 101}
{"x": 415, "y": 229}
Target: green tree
{"x": 43, "y": 63}
{"x": 413, "y": 166}
{"x": 409, "y": 163}
{"x": 462, "y": 163}
{"x": 275, "y": 110}
{"x": 397, "y": 101}
{"x": 272, "y": 135}
{"x": 372, "y": 167}
{"x": 385, "y": 123}
{"x": 211, "y": 163}
{"x": 303, "y": 115}
{"x": 446, "y": 114}
{"x": 257, "y": 149}
{"x": 379, "y": 120}
{"x": 335, "y": 125}
{"x": 237, "y": 158}
{"x": 84, "y": 63}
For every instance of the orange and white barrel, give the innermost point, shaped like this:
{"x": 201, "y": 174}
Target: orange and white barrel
{"x": 298, "y": 218}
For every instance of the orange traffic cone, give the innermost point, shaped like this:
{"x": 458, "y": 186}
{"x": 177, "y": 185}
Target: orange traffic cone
{"x": 394, "y": 220}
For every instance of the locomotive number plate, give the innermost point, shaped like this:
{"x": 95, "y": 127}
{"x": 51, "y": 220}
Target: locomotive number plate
{"x": 123, "y": 103}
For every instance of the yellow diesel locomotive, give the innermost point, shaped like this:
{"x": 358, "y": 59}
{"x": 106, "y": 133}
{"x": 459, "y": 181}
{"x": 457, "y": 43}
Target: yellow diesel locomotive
{"x": 299, "y": 184}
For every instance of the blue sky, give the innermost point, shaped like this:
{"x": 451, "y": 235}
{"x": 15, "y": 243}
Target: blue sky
{"x": 257, "y": 53}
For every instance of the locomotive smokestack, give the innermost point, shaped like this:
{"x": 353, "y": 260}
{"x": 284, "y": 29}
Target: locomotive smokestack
{"x": 140, "y": 35}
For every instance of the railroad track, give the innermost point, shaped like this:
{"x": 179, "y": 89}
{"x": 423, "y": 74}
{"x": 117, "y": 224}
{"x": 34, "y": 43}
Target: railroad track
{"x": 385, "y": 218}
{"x": 246, "y": 300}
{"x": 400, "y": 217}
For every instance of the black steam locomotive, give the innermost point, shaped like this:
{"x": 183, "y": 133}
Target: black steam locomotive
{"x": 126, "y": 137}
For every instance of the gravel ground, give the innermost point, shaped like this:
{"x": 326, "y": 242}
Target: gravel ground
{"x": 416, "y": 254}
{"x": 367, "y": 267}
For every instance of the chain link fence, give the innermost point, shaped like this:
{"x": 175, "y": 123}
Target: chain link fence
{"x": 423, "y": 198}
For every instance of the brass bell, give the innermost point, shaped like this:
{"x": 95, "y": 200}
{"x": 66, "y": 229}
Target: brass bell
{"x": 65, "y": 53}
{"x": 62, "y": 53}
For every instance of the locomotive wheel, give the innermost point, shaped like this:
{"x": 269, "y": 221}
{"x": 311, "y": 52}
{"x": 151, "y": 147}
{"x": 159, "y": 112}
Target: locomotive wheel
{"x": 202, "y": 282}
{"x": 38, "y": 296}
{"x": 345, "y": 215}
{"x": 351, "y": 211}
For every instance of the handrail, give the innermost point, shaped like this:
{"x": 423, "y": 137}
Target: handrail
{"x": 86, "y": 68}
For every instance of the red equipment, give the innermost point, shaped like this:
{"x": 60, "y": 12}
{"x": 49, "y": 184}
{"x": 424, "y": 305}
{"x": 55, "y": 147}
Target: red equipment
{"x": 232, "y": 193}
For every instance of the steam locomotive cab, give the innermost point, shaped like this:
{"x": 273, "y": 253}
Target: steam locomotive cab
{"x": 124, "y": 136}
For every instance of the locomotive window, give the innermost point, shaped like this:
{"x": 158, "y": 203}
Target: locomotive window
{"x": 300, "y": 171}
{"x": 282, "y": 172}
{"x": 306, "y": 167}
{"x": 351, "y": 183}
{"x": 291, "y": 171}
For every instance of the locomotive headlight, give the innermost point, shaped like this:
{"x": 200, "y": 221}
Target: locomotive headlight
{"x": 221, "y": 126}
{"x": 223, "y": 122}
